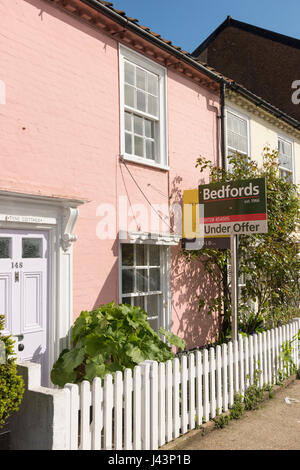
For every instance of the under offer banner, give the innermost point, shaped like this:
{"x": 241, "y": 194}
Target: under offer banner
{"x": 236, "y": 207}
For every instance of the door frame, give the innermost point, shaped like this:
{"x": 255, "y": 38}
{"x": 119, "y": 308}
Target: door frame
{"x": 57, "y": 217}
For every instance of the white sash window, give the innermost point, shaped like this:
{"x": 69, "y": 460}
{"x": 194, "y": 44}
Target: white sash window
{"x": 143, "y": 109}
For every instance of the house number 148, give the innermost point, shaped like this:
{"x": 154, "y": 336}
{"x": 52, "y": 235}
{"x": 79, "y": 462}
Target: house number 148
{"x": 16, "y": 265}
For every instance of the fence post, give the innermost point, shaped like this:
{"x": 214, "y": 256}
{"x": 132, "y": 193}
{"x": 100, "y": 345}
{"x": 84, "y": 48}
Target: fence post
{"x": 169, "y": 400}
{"x": 273, "y": 352}
{"x": 184, "y": 392}
{"x": 251, "y": 359}
{"x": 219, "y": 378}
{"x": 128, "y": 409}
{"x": 206, "y": 407}
{"x": 297, "y": 322}
{"x": 225, "y": 377}
{"x": 246, "y": 355}
{"x": 192, "y": 390}
{"x": 97, "y": 404}
{"x": 212, "y": 369}
{"x": 137, "y": 408}
{"x": 74, "y": 408}
{"x": 153, "y": 405}
{"x": 261, "y": 360}
{"x": 145, "y": 428}
{"x": 162, "y": 376}
{"x": 236, "y": 366}
{"x": 241, "y": 357}
{"x": 118, "y": 406}
{"x": 176, "y": 398}
{"x": 199, "y": 407}
{"x": 108, "y": 407}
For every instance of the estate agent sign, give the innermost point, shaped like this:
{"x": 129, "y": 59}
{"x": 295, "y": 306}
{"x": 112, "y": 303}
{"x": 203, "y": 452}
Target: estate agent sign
{"x": 234, "y": 208}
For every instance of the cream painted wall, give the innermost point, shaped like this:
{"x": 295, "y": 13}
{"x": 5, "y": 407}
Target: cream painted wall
{"x": 262, "y": 133}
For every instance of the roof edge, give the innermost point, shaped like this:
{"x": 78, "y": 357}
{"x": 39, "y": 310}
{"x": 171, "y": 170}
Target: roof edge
{"x": 266, "y": 33}
{"x": 187, "y": 58}
{"x": 101, "y": 8}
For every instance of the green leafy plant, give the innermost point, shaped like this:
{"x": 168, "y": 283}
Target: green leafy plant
{"x": 111, "y": 338}
{"x": 286, "y": 354}
{"x": 238, "y": 407}
{"x": 221, "y": 421}
{"x": 280, "y": 377}
{"x": 254, "y": 395}
{"x": 268, "y": 263}
{"x": 11, "y": 384}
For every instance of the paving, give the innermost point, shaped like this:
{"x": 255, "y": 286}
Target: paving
{"x": 274, "y": 426}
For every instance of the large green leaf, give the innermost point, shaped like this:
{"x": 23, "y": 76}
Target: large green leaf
{"x": 95, "y": 367}
{"x": 173, "y": 339}
{"x": 73, "y": 358}
{"x": 135, "y": 353}
{"x": 59, "y": 374}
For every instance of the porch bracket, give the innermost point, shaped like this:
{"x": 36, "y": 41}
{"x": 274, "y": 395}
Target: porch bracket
{"x": 70, "y": 215}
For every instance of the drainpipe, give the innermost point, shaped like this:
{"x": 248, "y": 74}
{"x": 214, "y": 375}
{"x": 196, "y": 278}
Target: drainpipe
{"x": 222, "y": 101}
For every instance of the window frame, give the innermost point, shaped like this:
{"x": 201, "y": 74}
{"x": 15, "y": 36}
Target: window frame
{"x": 164, "y": 317}
{"x": 244, "y": 117}
{"x": 288, "y": 141}
{"x": 161, "y": 143}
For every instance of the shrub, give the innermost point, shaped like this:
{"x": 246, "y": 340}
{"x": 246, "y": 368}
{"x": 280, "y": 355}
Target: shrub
{"x": 268, "y": 262}
{"x": 110, "y": 338}
{"x": 238, "y": 407}
{"x": 11, "y": 384}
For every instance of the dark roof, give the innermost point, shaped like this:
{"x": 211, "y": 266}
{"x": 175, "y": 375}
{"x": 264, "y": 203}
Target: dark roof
{"x": 131, "y": 24}
{"x": 265, "y": 33}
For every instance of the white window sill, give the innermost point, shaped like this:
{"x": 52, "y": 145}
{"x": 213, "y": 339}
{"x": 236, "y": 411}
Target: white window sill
{"x": 145, "y": 162}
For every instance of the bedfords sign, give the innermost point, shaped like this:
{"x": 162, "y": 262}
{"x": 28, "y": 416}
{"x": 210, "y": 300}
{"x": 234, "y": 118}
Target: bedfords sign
{"x": 237, "y": 207}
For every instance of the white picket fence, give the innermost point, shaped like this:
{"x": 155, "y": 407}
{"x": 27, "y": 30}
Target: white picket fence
{"x": 156, "y": 402}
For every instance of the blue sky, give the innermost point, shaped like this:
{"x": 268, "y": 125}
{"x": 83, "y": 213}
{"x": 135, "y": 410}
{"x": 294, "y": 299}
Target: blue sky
{"x": 188, "y": 23}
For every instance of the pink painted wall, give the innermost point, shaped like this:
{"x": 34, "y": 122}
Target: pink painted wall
{"x": 59, "y": 135}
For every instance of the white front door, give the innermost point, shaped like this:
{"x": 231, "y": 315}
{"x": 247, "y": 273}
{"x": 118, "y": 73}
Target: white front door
{"x": 24, "y": 291}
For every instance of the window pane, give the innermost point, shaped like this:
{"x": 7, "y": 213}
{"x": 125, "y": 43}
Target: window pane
{"x": 154, "y": 255}
{"x": 285, "y": 154}
{"x": 139, "y": 302}
{"x": 128, "y": 143}
{"x": 127, "y": 254}
{"x": 153, "y": 305}
{"x": 237, "y": 133}
{"x": 5, "y": 244}
{"x": 150, "y": 149}
{"x": 126, "y": 300}
{"x": 242, "y": 144}
{"x": 141, "y": 100}
{"x": 138, "y": 146}
{"x": 141, "y": 255}
{"x": 242, "y": 128}
{"x": 32, "y": 247}
{"x": 138, "y": 125}
{"x": 152, "y": 105}
{"x": 154, "y": 279}
{"x": 140, "y": 78}
{"x": 149, "y": 128}
{"x": 141, "y": 280}
{"x": 127, "y": 281}
{"x": 286, "y": 162}
{"x": 287, "y": 148}
{"x": 128, "y": 121}
{"x": 129, "y": 96}
{"x": 154, "y": 323}
{"x": 129, "y": 73}
{"x": 153, "y": 84}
